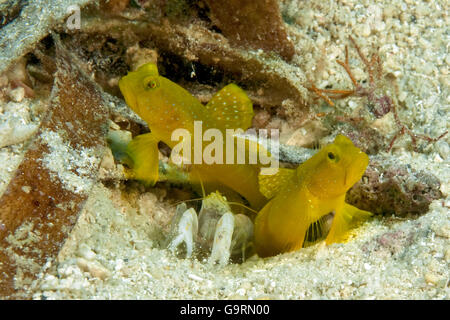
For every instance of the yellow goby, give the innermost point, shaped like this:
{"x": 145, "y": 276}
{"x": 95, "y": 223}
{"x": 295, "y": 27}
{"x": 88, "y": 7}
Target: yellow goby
{"x": 166, "y": 107}
{"x": 302, "y": 197}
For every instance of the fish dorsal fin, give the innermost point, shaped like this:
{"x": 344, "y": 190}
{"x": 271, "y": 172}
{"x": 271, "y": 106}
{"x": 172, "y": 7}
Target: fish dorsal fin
{"x": 271, "y": 185}
{"x": 230, "y": 108}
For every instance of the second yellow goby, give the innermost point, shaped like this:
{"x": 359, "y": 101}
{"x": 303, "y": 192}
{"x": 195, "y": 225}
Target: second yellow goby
{"x": 302, "y": 197}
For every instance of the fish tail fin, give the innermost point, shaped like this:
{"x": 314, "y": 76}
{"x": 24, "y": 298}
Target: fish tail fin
{"x": 143, "y": 152}
{"x": 230, "y": 108}
{"x": 345, "y": 219}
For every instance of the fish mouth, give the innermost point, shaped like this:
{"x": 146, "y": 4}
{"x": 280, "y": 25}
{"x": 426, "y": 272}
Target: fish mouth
{"x": 353, "y": 173}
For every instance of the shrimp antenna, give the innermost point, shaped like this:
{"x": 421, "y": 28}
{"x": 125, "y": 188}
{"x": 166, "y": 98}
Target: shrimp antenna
{"x": 228, "y": 202}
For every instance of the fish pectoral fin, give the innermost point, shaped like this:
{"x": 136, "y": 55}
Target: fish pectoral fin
{"x": 143, "y": 152}
{"x": 344, "y": 220}
{"x": 358, "y": 215}
{"x": 316, "y": 232}
{"x": 271, "y": 185}
{"x": 230, "y": 108}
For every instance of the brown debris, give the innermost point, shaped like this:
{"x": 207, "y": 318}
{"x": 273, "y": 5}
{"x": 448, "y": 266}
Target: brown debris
{"x": 15, "y": 78}
{"x": 9, "y": 10}
{"x": 38, "y": 208}
{"x": 268, "y": 81}
{"x": 114, "y": 6}
{"x": 254, "y": 24}
{"x": 137, "y": 56}
{"x": 388, "y": 187}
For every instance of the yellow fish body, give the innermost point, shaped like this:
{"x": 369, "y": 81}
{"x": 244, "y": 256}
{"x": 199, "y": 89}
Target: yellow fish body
{"x": 302, "y": 196}
{"x": 166, "y": 106}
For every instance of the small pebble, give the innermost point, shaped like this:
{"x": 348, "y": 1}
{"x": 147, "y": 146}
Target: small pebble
{"x": 85, "y": 252}
{"x": 50, "y": 283}
{"x": 95, "y": 269}
{"x": 402, "y": 96}
{"x": 389, "y": 11}
{"x": 442, "y": 230}
{"x": 195, "y": 277}
{"x": 435, "y": 279}
{"x": 248, "y": 285}
{"x": 443, "y": 149}
{"x": 241, "y": 291}
{"x": 447, "y": 255}
{"x": 17, "y": 94}
{"x": 108, "y": 160}
{"x": 14, "y": 132}
{"x": 364, "y": 30}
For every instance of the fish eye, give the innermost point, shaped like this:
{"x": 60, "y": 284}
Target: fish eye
{"x": 333, "y": 156}
{"x": 151, "y": 83}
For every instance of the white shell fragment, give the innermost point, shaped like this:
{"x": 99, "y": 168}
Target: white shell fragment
{"x": 16, "y": 124}
{"x": 186, "y": 232}
{"x": 14, "y": 132}
{"x": 222, "y": 240}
